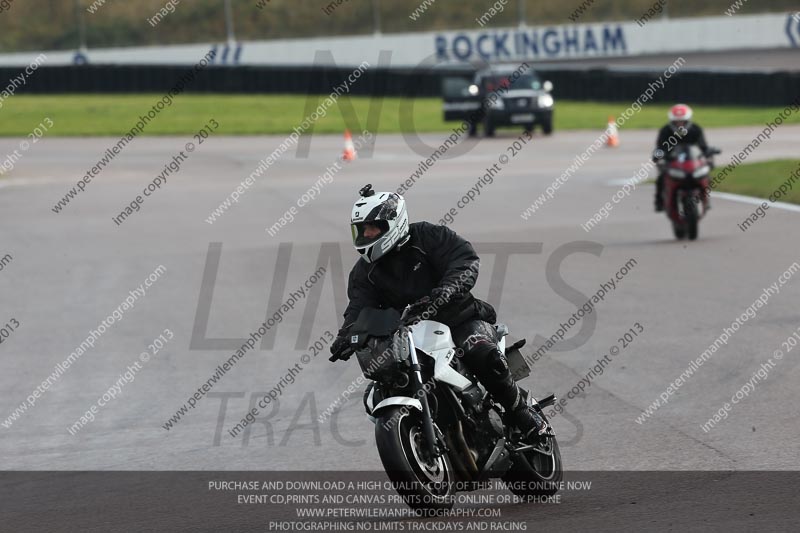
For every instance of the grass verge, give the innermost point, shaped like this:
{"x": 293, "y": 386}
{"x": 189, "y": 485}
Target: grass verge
{"x": 764, "y": 179}
{"x": 99, "y": 115}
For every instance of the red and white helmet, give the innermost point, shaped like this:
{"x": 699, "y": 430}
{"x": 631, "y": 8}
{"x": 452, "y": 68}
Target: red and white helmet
{"x": 680, "y": 115}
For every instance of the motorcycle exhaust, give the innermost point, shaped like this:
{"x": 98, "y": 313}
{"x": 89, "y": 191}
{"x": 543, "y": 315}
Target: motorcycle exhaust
{"x": 462, "y": 453}
{"x": 498, "y": 462}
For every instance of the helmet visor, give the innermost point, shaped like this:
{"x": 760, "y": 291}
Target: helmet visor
{"x": 366, "y": 233}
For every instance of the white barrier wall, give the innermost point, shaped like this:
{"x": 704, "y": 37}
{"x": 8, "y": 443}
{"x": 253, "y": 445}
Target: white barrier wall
{"x": 540, "y": 43}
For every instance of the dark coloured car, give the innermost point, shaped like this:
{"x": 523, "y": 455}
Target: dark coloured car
{"x": 501, "y": 96}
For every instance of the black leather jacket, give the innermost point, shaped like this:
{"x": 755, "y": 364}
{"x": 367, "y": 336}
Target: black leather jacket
{"x": 694, "y": 135}
{"x": 434, "y": 257}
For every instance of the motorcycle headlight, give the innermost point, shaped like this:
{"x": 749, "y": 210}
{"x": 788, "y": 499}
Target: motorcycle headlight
{"x": 676, "y": 173}
{"x": 545, "y": 100}
{"x": 700, "y": 172}
{"x": 496, "y": 103}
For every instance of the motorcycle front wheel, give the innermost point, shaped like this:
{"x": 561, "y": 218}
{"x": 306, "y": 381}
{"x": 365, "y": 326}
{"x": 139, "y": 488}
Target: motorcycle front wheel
{"x": 426, "y": 485}
{"x": 692, "y": 216}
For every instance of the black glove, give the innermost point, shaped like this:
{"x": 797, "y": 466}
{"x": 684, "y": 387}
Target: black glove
{"x": 658, "y": 155}
{"x": 339, "y": 349}
{"x": 440, "y": 296}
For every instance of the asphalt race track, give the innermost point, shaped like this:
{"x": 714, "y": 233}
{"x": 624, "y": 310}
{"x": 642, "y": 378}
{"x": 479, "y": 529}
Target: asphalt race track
{"x": 70, "y": 270}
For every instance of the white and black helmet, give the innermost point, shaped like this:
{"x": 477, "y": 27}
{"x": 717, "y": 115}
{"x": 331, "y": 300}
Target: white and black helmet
{"x": 387, "y": 211}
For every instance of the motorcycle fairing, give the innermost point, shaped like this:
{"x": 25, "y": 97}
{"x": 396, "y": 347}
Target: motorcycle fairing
{"x": 434, "y": 339}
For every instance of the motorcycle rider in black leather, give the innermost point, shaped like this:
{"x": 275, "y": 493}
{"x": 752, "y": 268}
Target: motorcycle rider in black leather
{"x": 433, "y": 269}
{"x": 679, "y": 130}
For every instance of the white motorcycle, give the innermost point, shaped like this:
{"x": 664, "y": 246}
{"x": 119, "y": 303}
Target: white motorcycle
{"x": 437, "y": 430}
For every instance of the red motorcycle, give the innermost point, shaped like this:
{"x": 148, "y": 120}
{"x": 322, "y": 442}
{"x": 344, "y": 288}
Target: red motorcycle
{"x": 685, "y": 171}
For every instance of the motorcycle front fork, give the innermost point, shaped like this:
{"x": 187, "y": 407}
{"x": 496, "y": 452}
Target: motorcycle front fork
{"x": 430, "y": 449}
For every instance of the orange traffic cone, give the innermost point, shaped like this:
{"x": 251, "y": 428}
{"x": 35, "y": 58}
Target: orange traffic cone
{"x": 612, "y": 133}
{"x": 349, "y": 153}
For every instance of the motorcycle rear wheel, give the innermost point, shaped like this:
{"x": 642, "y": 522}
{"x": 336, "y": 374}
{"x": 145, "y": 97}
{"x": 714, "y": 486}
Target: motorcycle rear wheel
{"x": 427, "y": 486}
{"x": 536, "y": 473}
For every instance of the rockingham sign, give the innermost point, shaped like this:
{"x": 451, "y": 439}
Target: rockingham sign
{"x": 538, "y": 43}
{"x": 545, "y": 43}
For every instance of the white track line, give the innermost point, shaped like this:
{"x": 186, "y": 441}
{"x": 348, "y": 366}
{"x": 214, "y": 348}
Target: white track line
{"x": 19, "y": 182}
{"x": 755, "y": 201}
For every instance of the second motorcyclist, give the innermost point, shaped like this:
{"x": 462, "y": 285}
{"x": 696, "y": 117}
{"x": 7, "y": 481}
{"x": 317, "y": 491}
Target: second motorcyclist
{"x": 679, "y": 130}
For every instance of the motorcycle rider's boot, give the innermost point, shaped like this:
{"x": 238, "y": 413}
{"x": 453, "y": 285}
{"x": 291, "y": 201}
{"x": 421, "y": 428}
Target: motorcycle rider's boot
{"x": 518, "y": 414}
{"x": 492, "y": 371}
{"x": 659, "y": 203}
{"x": 528, "y": 420}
